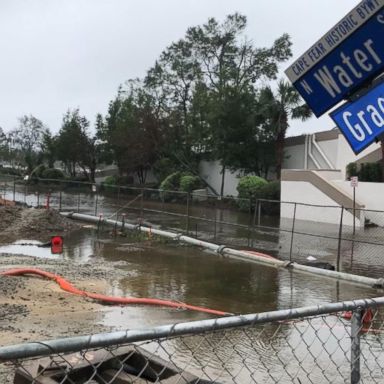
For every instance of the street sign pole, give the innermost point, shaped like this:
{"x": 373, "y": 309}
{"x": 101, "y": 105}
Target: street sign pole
{"x": 354, "y": 211}
{"x": 354, "y": 184}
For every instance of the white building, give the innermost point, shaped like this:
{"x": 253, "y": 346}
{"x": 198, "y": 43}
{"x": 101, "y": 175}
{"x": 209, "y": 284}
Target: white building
{"x": 314, "y": 172}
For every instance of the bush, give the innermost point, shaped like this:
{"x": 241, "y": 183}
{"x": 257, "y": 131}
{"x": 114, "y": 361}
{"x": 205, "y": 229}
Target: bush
{"x": 109, "y": 183}
{"x": 249, "y": 188}
{"x": 370, "y": 172}
{"x": 39, "y": 170}
{"x": 352, "y": 170}
{"x": 189, "y": 183}
{"x": 163, "y": 167}
{"x": 270, "y": 191}
{"x": 171, "y": 182}
{"x": 9, "y": 171}
{"x": 52, "y": 173}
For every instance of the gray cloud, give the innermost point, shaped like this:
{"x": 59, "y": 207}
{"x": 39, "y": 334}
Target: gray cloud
{"x": 60, "y": 54}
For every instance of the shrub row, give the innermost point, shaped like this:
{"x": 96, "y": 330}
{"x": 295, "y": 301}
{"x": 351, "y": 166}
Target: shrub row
{"x": 371, "y": 172}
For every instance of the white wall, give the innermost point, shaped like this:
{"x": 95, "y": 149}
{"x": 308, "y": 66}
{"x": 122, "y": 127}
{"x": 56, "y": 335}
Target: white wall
{"x": 369, "y": 194}
{"x": 210, "y": 172}
{"x": 338, "y": 152}
{"x": 345, "y": 155}
{"x": 305, "y": 193}
{"x": 294, "y": 157}
{"x": 329, "y": 147}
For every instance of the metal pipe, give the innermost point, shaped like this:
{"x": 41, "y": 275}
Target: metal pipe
{"x": 238, "y": 254}
{"x": 72, "y": 344}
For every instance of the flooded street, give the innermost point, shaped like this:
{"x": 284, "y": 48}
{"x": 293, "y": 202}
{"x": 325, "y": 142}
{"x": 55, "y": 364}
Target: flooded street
{"x": 187, "y": 274}
{"x": 148, "y": 267}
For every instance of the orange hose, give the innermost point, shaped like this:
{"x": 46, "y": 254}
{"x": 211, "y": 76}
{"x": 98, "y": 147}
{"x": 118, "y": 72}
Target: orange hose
{"x": 68, "y": 287}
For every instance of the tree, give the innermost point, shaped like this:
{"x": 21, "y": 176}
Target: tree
{"x": 231, "y": 68}
{"x": 3, "y": 145}
{"x": 133, "y": 130}
{"x": 75, "y": 148}
{"x": 27, "y": 141}
{"x": 171, "y": 83}
{"x": 197, "y": 82}
{"x": 277, "y": 109}
{"x": 48, "y": 148}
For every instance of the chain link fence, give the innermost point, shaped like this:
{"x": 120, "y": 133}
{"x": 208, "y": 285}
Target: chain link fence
{"x": 332, "y": 343}
{"x": 342, "y": 238}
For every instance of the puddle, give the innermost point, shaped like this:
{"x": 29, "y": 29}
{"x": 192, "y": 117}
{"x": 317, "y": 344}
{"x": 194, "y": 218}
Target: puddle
{"x": 28, "y": 248}
{"x": 80, "y": 246}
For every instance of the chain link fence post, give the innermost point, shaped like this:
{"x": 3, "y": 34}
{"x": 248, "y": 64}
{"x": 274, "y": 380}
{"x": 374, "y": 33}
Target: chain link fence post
{"x": 339, "y": 240}
{"x": 96, "y": 202}
{"x": 14, "y": 188}
{"x": 188, "y": 203}
{"x": 356, "y": 324}
{"x": 257, "y": 203}
{"x": 292, "y": 232}
{"x": 142, "y": 205}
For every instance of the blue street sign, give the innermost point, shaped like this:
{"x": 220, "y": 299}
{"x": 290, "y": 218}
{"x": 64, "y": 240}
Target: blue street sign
{"x": 347, "y": 57}
{"x": 362, "y": 121}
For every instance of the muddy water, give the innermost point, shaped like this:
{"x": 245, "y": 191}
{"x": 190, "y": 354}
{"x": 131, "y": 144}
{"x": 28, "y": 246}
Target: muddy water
{"x": 271, "y": 235}
{"x": 187, "y": 274}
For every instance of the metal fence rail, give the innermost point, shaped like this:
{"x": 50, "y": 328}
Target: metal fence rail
{"x": 318, "y": 344}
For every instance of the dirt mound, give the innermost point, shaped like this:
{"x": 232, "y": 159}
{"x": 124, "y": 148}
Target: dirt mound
{"x": 32, "y": 224}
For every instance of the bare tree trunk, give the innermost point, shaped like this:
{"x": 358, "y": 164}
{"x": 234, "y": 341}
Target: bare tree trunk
{"x": 222, "y": 180}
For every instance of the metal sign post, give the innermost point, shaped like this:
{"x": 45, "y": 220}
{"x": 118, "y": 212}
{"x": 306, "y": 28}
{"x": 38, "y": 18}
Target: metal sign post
{"x": 354, "y": 184}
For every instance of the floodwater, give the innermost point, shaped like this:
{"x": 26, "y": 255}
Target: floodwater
{"x": 231, "y": 227}
{"x": 183, "y": 273}
{"x": 189, "y": 274}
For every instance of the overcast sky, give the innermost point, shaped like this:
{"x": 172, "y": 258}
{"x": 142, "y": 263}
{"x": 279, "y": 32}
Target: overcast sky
{"x": 60, "y": 54}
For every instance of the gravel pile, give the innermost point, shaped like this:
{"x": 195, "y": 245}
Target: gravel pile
{"x": 33, "y": 224}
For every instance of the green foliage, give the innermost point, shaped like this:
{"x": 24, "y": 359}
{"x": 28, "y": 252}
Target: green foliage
{"x": 163, "y": 167}
{"x": 9, "y": 171}
{"x": 133, "y": 130}
{"x": 276, "y": 109}
{"x": 27, "y": 142}
{"x": 250, "y": 186}
{"x": 270, "y": 191}
{"x": 38, "y": 171}
{"x": 171, "y": 182}
{"x": 189, "y": 183}
{"x": 110, "y": 183}
{"x": 249, "y": 189}
{"x": 352, "y": 170}
{"x": 116, "y": 180}
{"x": 370, "y": 172}
{"x": 75, "y": 147}
{"x": 52, "y": 173}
